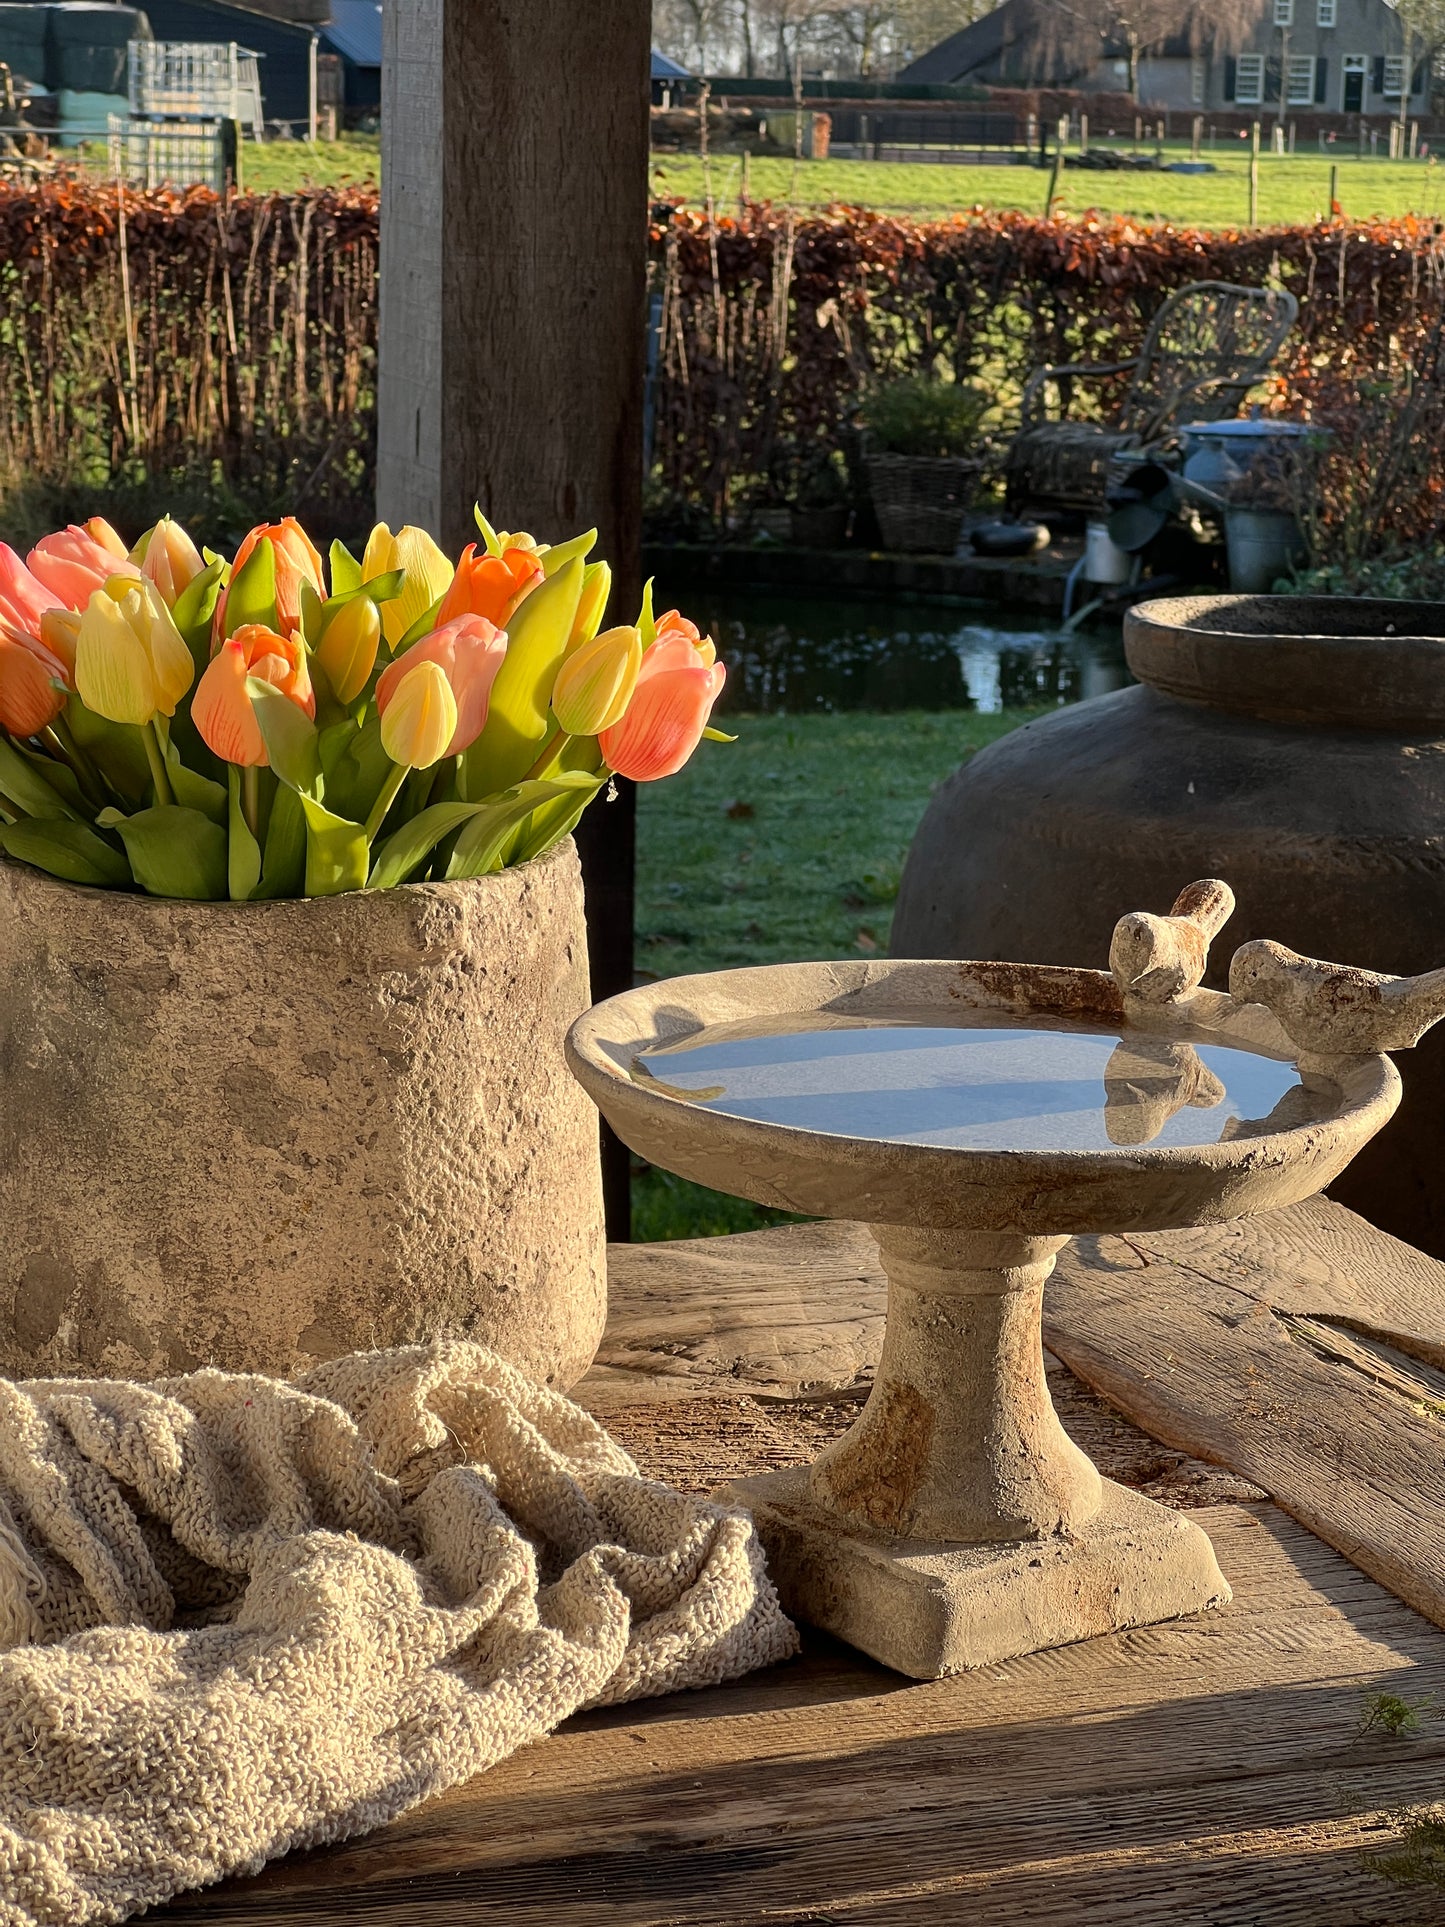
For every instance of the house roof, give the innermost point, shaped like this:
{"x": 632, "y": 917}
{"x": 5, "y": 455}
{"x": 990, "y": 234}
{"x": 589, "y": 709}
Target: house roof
{"x": 1041, "y": 43}
{"x": 665, "y": 69}
{"x": 354, "y": 31}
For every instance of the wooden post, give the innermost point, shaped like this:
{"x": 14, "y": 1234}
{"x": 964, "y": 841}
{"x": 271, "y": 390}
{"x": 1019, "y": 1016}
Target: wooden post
{"x": 513, "y": 327}
{"x": 1196, "y": 137}
{"x": 1254, "y": 174}
{"x": 1083, "y": 133}
{"x": 1335, "y": 209}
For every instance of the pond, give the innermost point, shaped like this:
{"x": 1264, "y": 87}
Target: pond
{"x": 794, "y": 654}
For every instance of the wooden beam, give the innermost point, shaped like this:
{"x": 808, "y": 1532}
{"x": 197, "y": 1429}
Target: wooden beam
{"x": 512, "y": 328}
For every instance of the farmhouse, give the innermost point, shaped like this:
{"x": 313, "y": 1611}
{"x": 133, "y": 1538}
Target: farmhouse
{"x": 1326, "y": 56}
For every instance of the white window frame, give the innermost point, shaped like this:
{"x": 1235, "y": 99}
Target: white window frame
{"x": 1249, "y": 93}
{"x": 1196, "y": 80}
{"x": 1326, "y": 12}
{"x": 1284, "y": 13}
{"x": 1397, "y": 76}
{"x": 1299, "y": 81}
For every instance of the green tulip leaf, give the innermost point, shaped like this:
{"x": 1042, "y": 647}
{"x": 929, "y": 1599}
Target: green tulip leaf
{"x": 243, "y": 852}
{"x": 60, "y": 777}
{"x": 173, "y": 851}
{"x": 381, "y": 588}
{"x": 557, "y": 558}
{"x": 283, "y": 866}
{"x": 116, "y": 749}
{"x": 197, "y": 792}
{"x": 489, "y": 534}
{"x": 479, "y": 850}
{"x": 252, "y": 594}
{"x": 550, "y": 822}
{"x": 409, "y": 846}
{"x": 69, "y": 850}
{"x": 25, "y": 785}
{"x": 337, "y": 852}
{"x": 519, "y": 716}
{"x": 423, "y": 626}
{"x": 196, "y": 608}
{"x": 289, "y": 735}
{"x": 717, "y": 735}
{"x": 313, "y": 615}
{"x": 354, "y": 766}
{"x": 345, "y": 570}
{"x": 646, "y": 620}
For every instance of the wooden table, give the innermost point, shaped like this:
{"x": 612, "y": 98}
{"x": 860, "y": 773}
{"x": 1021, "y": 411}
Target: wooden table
{"x": 1223, "y": 1769}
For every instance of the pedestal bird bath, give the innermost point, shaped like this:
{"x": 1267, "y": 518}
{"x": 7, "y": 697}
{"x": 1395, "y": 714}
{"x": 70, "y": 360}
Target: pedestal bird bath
{"x": 976, "y": 1116}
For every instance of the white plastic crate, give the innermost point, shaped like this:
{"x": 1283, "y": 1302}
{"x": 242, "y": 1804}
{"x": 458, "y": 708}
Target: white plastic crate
{"x": 169, "y": 153}
{"x": 195, "y": 79}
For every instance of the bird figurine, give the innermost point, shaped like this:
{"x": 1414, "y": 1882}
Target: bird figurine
{"x": 1157, "y": 960}
{"x": 1333, "y": 1009}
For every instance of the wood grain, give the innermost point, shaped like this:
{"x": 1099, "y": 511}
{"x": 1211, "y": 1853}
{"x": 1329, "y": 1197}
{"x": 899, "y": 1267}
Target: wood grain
{"x": 1298, "y": 1349}
{"x": 1211, "y": 1770}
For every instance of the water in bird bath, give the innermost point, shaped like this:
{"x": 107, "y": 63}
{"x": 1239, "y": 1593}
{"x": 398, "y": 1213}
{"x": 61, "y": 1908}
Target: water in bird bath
{"x": 982, "y": 1083}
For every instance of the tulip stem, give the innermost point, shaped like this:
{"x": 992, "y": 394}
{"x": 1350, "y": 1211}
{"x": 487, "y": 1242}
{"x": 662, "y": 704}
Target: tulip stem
{"x": 154, "y": 756}
{"x": 77, "y": 764}
{"x": 399, "y": 774}
{"x": 251, "y": 798}
{"x": 551, "y": 750}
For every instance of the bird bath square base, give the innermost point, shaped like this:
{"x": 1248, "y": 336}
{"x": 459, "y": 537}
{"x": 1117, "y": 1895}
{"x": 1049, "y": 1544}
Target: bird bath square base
{"x": 929, "y": 1609}
{"x": 956, "y": 1523}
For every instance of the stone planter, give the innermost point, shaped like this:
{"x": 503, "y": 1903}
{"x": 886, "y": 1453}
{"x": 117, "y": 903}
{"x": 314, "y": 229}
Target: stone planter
{"x": 259, "y": 1135}
{"x": 1295, "y": 745}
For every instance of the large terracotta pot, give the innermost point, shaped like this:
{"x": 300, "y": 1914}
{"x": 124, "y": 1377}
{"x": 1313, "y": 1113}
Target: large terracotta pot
{"x": 1294, "y": 746}
{"x": 259, "y": 1135}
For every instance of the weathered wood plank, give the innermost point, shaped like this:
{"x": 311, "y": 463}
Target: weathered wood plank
{"x": 1212, "y": 1770}
{"x": 1220, "y": 1344}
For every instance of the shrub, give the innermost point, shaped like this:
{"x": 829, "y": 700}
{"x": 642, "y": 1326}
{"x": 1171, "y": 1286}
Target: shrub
{"x": 916, "y": 416}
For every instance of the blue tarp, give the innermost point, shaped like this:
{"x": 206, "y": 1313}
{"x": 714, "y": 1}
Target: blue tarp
{"x": 354, "y": 32}
{"x": 662, "y": 67}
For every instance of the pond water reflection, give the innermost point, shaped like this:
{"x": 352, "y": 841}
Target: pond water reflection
{"x": 798, "y": 653}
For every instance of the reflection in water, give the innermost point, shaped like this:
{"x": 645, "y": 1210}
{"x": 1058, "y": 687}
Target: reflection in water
{"x": 1148, "y": 1079}
{"x": 796, "y": 653}
{"x": 981, "y": 1083}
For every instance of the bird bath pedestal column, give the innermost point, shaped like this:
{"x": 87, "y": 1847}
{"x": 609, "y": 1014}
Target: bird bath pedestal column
{"x": 977, "y": 1116}
{"x": 956, "y": 1523}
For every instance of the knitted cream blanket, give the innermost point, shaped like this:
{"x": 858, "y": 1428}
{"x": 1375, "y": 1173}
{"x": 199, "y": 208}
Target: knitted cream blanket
{"x": 239, "y": 1616}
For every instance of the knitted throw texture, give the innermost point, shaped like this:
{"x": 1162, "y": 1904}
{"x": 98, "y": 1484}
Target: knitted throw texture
{"x": 239, "y": 1616}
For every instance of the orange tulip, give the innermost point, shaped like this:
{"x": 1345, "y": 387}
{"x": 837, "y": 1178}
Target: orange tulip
{"x": 221, "y": 708}
{"x": 469, "y": 652}
{"x": 669, "y": 627}
{"x": 73, "y": 564}
{"x": 490, "y": 585}
{"x": 32, "y": 687}
{"x": 99, "y": 530}
{"x": 297, "y": 559}
{"x": 663, "y": 724}
{"x": 24, "y": 598}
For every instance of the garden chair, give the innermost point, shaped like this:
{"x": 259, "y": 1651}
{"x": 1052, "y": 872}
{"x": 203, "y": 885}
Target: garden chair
{"x": 1206, "y": 347}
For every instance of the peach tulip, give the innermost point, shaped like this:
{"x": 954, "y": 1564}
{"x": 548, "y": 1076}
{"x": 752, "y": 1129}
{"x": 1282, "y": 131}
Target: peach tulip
{"x": 171, "y": 560}
{"x": 221, "y": 708}
{"x": 75, "y": 562}
{"x": 663, "y": 724}
{"x": 24, "y": 598}
{"x": 32, "y": 687}
{"x": 297, "y": 560}
{"x": 672, "y": 625}
{"x": 60, "y": 634}
{"x": 469, "y": 652}
{"x": 490, "y": 585}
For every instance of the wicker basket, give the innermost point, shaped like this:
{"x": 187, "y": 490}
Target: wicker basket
{"x": 921, "y": 500}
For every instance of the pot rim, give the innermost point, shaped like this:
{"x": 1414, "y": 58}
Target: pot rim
{"x": 1373, "y": 664}
{"x": 399, "y": 894}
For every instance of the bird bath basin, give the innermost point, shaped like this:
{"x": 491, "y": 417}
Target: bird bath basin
{"x": 976, "y": 1116}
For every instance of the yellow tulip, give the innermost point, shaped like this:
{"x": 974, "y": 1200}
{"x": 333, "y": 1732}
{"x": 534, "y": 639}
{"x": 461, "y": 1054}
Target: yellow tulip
{"x": 130, "y": 662}
{"x": 428, "y": 575}
{"x": 595, "y": 683}
{"x": 596, "y": 588}
{"x": 347, "y": 650}
{"x": 420, "y": 718}
{"x": 169, "y": 558}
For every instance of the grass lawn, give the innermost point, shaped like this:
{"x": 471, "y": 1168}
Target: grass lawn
{"x": 782, "y": 847}
{"x": 1292, "y": 189}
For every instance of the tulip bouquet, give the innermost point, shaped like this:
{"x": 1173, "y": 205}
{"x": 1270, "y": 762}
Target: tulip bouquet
{"x": 349, "y": 727}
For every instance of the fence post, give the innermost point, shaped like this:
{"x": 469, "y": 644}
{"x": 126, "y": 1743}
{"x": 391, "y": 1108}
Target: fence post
{"x": 1054, "y": 182}
{"x": 1414, "y": 140}
{"x": 1254, "y": 175}
{"x": 230, "y": 131}
{"x": 1083, "y": 133}
{"x": 1196, "y": 137}
{"x": 1335, "y": 209}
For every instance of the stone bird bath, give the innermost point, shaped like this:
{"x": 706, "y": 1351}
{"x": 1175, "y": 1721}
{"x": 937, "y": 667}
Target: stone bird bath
{"x": 976, "y": 1116}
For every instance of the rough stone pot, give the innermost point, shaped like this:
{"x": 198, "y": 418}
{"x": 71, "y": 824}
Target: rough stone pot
{"x": 258, "y": 1135}
{"x": 1295, "y": 745}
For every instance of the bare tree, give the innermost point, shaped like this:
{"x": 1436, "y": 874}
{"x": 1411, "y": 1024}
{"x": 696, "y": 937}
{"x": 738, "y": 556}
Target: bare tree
{"x": 866, "y": 30}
